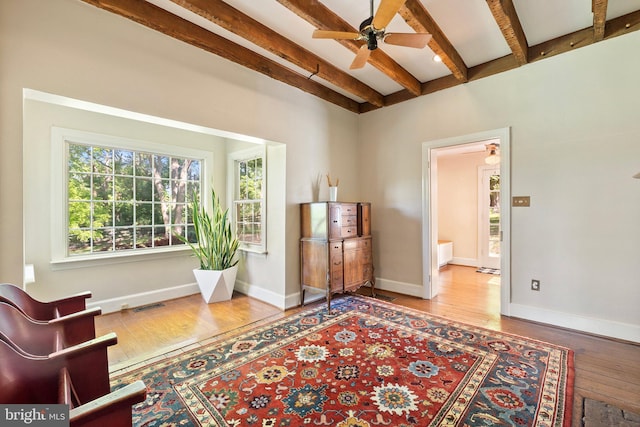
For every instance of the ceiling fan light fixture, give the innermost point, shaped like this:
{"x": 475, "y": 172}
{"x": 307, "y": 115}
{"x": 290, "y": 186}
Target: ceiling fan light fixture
{"x": 437, "y": 58}
{"x": 493, "y": 158}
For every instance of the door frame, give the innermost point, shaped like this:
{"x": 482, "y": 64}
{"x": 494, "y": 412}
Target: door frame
{"x": 430, "y": 210}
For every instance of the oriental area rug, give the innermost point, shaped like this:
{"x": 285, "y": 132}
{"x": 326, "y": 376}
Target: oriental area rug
{"x": 365, "y": 363}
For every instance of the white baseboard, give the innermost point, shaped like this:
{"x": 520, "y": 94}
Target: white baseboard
{"x": 468, "y": 262}
{"x": 399, "y": 287}
{"x": 136, "y": 300}
{"x": 262, "y": 294}
{"x": 607, "y": 328}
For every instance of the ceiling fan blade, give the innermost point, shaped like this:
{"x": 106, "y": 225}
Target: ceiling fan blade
{"x": 417, "y": 40}
{"x": 385, "y": 13}
{"x": 361, "y": 58}
{"x": 339, "y": 35}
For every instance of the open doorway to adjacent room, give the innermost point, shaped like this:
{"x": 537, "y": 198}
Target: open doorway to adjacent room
{"x": 466, "y": 213}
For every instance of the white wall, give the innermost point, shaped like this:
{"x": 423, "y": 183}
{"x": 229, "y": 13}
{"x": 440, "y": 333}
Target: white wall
{"x": 458, "y": 204}
{"x": 72, "y": 49}
{"x": 575, "y": 144}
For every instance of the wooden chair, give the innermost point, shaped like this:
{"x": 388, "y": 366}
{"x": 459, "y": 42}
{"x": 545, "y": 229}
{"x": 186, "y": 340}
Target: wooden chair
{"x": 29, "y": 379}
{"x": 42, "y": 311}
{"x": 90, "y": 368}
{"x": 70, "y": 312}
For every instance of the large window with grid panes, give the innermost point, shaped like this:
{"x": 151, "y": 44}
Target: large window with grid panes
{"x": 123, "y": 197}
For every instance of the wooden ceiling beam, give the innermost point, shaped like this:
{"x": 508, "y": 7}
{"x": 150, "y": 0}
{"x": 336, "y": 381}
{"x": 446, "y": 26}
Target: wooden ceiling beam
{"x": 323, "y": 18}
{"x": 231, "y": 19}
{"x": 599, "y": 9}
{"x": 415, "y": 14}
{"x": 171, "y": 25}
{"x": 507, "y": 19}
{"x": 613, "y": 28}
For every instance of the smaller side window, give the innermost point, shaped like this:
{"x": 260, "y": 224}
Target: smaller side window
{"x": 249, "y": 199}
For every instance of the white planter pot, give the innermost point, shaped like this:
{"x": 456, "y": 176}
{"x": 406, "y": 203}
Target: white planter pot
{"x": 216, "y": 285}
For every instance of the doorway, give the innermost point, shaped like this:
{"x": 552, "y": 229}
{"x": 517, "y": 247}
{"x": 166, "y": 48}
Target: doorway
{"x": 430, "y": 151}
{"x": 489, "y": 227}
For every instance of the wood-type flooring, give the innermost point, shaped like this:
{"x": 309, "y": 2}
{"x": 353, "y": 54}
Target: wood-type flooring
{"x": 606, "y": 370}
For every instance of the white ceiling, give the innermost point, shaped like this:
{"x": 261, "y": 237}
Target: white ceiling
{"x": 468, "y": 24}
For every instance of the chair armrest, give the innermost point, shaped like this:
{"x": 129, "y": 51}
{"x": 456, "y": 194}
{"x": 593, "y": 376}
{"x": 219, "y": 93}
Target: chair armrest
{"x": 70, "y": 304}
{"x": 88, "y": 366}
{"x": 78, "y": 327}
{"x": 113, "y": 409}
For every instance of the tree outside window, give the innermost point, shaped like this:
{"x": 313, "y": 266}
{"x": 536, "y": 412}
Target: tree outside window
{"x": 119, "y": 199}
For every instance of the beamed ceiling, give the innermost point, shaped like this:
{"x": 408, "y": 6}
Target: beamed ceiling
{"x": 473, "y": 38}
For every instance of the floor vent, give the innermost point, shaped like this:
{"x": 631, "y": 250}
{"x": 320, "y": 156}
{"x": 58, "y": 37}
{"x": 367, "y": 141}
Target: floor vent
{"x": 148, "y": 307}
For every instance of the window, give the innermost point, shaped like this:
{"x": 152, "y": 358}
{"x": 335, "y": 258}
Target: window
{"x": 249, "y": 194}
{"x": 121, "y": 197}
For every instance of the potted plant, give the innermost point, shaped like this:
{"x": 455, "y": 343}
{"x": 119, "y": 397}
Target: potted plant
{"x": 215, "y": 247}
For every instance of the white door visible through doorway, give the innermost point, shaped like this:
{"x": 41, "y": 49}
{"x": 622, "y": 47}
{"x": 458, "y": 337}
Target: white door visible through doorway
{"x": 489, "y": 217}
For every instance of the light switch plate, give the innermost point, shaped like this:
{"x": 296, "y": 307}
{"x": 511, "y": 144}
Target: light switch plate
{"x": 522, "y": 201}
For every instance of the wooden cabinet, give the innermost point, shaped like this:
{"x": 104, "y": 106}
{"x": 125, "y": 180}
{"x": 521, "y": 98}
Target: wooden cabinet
{"x": 335, "y": 247}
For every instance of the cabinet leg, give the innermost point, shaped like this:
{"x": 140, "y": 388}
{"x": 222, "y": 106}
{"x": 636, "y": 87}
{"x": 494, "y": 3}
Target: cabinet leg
{"x": 302, "y": 298}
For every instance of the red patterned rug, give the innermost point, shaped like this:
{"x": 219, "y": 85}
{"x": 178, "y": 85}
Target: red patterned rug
{"x": 366, "y": 363}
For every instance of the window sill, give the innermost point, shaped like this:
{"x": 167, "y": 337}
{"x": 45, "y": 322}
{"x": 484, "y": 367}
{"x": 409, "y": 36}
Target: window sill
{"x": 118, "y": 258}
{"x": 254, "y": 251}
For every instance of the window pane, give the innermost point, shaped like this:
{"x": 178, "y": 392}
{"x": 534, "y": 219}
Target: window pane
{"x": 102, "y": 187}
{"x": 123, "y": 162}
{"x": 157, "y": 214}
{"x": 79, "y": 186}
{"x": 161, "y": 164}
{"x": 79, "y": 214}
{"x": 124, "y": 238}
{"x": 144, "y": 214}
{"x": 124, "y": 214}
{"x": 143, "y": 164}
{"x": 144, "y": 237}
{"x": 103, "y": 240}
{"x": 79, "y": 158}
{"x": 102, "y": 214}
{"x": 179, "y": 230}
{"x": 160, "y": 236}
{"x": 123, "y": 188}
{"x": 79, "y": 242}
{"x": 162, "y": 191}
{"x": 102, "y": 160}
{"x": 179, "y": 214}
{"x": 144, "y": 190}
{"x": 194, "y": 170}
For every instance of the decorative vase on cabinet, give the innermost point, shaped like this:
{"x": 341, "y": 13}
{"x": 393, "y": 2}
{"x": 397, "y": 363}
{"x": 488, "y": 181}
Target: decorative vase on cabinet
{"x": 335, "y": 248}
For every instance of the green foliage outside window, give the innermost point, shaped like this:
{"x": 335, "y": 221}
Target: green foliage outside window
{"x": 121, "y": 199}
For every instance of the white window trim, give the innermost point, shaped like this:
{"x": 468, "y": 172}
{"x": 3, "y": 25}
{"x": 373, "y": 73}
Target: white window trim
{"x": 232, "y": 173}
{"x": 59, "y": 218}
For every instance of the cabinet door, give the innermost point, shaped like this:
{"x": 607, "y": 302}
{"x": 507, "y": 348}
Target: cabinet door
{"x": 336, "y": 267}
{"x": 335, "y": 221}
{"x": 314, "y": 263}
{"x": 364, "y": 219}
{"x": 352, "y": 269}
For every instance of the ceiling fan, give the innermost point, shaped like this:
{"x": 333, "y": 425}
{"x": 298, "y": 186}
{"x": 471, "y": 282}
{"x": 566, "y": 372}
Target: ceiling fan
{"x": 372, "y": 30}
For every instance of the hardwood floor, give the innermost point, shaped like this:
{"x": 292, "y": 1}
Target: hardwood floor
{"x": 606, "y": 370}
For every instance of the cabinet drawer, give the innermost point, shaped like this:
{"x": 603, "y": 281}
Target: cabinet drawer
{"x": 349, "y": 232}
{"x": 352, "y": 244}
{"x": 349, "y": 209}
{"x": 349, "y": 220}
